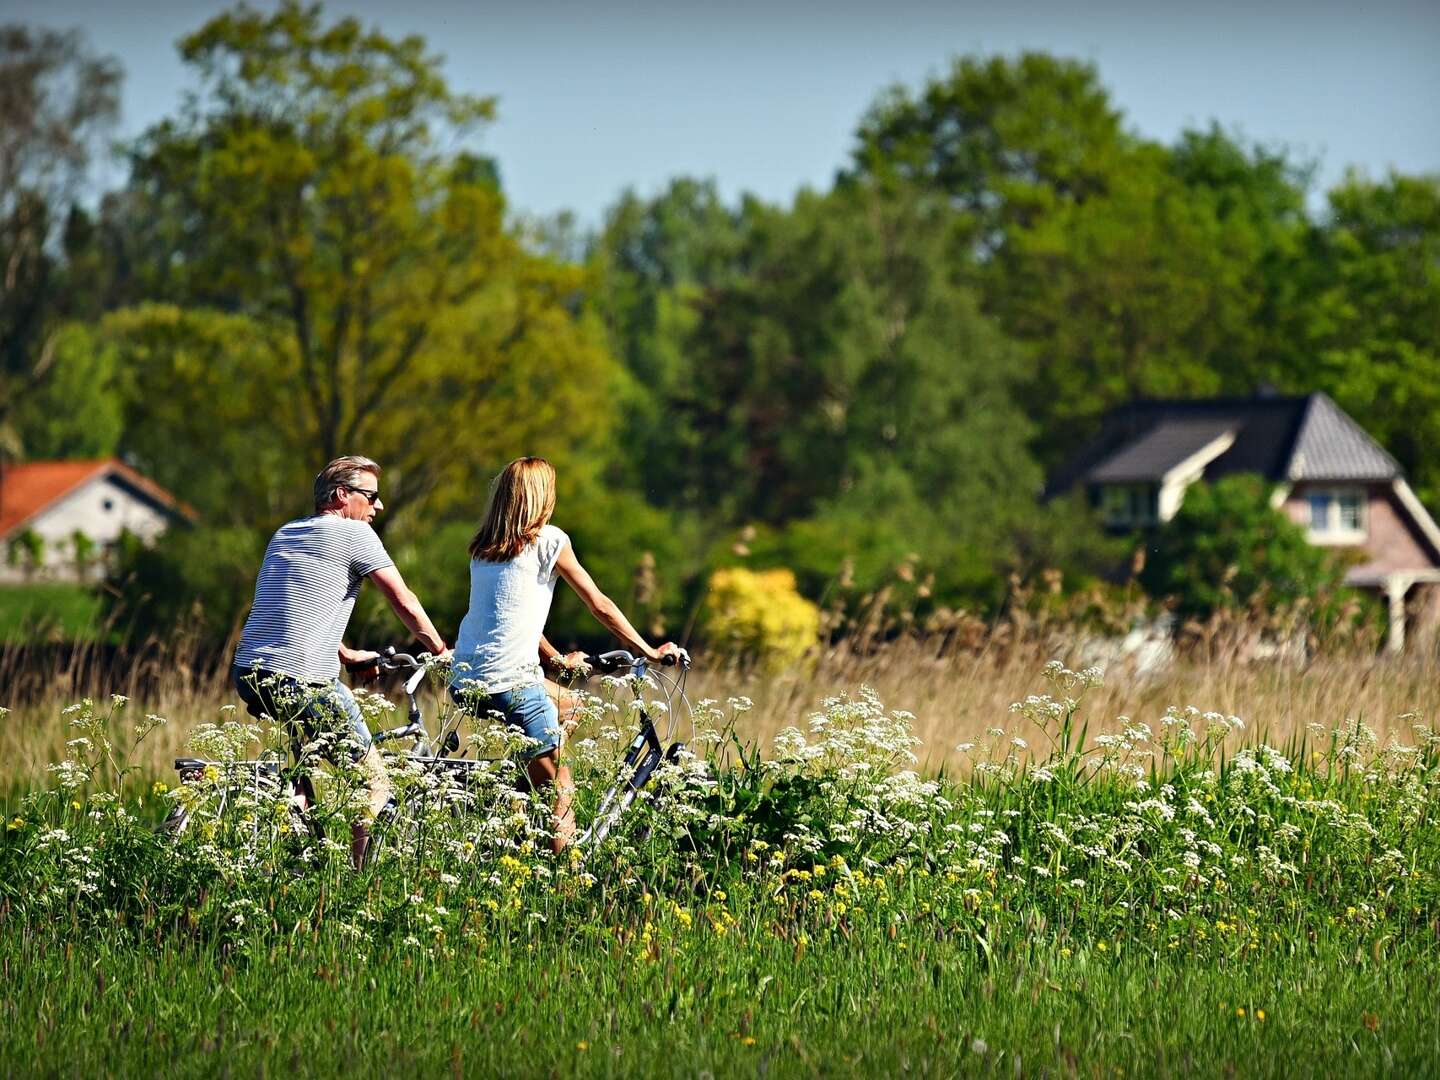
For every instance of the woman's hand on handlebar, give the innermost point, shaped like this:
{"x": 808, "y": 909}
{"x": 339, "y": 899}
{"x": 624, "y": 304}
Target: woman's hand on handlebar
{"x": 576, "y": 664}
{"x": 669, "y": 653}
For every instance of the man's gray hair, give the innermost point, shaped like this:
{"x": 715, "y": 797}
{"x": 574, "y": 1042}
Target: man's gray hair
{"x": 342, "y": 472}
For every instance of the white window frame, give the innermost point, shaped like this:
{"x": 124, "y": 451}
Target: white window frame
{"x": 1129, "y": 505}
{"x": 1333, "y": 530}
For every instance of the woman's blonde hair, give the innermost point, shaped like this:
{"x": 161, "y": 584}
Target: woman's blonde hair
{"x": 522, "y": 498}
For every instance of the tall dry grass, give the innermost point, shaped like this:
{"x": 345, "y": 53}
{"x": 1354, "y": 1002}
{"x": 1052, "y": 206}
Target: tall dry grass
{"x": 957, "y": 698}
{"x": 958, "y": 685}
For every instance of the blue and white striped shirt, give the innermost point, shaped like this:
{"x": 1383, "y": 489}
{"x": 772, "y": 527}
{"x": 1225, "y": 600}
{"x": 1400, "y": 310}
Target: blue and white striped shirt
{"x": 304, "y": 595}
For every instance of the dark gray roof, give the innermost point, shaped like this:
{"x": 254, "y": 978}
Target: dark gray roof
{"x": 1160, "y": 449}
{"x": 1331, "y": 446}
{"x": 1282, "y": 438}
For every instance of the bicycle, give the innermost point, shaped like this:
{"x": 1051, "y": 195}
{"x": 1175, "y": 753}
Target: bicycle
{"x": 269, "y": 777}
{"x": 453, "y": 776}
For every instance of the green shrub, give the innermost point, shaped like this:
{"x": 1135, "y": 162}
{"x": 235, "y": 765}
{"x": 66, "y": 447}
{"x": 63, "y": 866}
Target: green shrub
{"x": 1228, "y": 546}
{"x": 196, "y": 582}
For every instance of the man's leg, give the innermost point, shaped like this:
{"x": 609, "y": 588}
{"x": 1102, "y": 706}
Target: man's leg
{"x": 282, "y": 701}
{"x": 367, "y": 758}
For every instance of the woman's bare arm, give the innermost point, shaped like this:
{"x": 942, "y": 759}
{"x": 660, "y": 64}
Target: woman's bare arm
{"x": 603, "y": 608}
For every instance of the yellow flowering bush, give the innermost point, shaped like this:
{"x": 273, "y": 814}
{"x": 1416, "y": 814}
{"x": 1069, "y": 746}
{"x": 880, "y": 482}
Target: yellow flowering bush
{"x": 760, "y": 613}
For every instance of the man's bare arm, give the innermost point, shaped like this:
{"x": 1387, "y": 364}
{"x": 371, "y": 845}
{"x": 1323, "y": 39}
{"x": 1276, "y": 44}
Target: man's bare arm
{"x": 408, "y": 609}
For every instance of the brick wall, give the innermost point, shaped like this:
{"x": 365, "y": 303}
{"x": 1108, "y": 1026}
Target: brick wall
{"x": 1392, "y": 542}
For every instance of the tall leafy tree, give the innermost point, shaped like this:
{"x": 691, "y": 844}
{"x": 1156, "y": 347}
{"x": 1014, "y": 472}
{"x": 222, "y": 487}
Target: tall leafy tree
{"x": 654, "y": 260}
{"x": 1146, "y": 290}
{"x": 1006, "y": 140}
{"x": 314, "y": 187}
{"x": 1127, "y": 268}
{"x": 1228, "y": 546}
{"x": 848, "y": 376}
{"x": 58, "y": 101}
{"x": 77, "y": 410}
{"x": 1373, "y": 329}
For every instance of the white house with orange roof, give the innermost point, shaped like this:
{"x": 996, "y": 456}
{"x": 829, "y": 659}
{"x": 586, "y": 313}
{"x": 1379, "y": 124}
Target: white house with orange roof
{"x": 46, "y": 507}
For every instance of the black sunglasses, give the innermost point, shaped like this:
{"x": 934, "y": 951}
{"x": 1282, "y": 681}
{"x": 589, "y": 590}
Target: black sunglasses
{"x": 371, "y": 495}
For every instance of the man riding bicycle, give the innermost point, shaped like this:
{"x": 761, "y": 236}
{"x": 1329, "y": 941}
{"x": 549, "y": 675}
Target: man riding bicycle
{"x": 288, "y": 662}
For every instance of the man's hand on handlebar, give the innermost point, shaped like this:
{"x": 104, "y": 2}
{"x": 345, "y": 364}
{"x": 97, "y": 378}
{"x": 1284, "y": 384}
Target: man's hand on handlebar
{"x": 363, "y": 664}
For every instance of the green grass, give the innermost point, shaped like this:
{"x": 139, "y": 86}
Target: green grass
{"x": 561, "y": 1004}
{"x": 48, "y": 611}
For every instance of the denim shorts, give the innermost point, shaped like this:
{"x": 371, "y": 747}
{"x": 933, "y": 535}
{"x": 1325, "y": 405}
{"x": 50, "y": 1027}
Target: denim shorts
{"x": 303, "y": 707}
{"x": 526, "y": 708}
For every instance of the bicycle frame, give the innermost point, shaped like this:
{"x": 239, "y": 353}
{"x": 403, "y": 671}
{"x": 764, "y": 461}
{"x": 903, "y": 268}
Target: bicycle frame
{"x": 643, "y": 756}
{"x": 260, "y": 775}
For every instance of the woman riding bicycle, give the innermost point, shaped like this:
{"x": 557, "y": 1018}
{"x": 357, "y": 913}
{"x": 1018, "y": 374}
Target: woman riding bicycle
{"x": 515, "y": 558}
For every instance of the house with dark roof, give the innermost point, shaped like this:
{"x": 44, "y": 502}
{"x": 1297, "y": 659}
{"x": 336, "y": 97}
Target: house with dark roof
{"x": 1330, "y": 477}
{"x": 52, "y": 504}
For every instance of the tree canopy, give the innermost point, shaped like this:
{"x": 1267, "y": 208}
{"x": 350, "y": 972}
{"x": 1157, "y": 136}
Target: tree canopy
{"x": 312, "y": 254}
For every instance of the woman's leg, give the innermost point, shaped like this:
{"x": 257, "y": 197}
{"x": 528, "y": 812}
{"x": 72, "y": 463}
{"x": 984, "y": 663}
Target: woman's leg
{"x": 546, "y": 771}
{"x": 566, "y": 702}
{"x": 533, "y": 711}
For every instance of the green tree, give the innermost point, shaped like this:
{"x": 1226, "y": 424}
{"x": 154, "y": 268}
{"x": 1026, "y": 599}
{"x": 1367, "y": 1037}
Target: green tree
{"x": 1142, "y": 291}
{"x": 1127, "y": 268}
{"x": 83, "y": 554}
{"x": 190, "y": 583}
{"x": 849, "y": 347}
{"x": 77, "y": 410}
{"x": 654, "y": 261}
{"x": 847, "y": 377}
{"x": 1373, "y": 333}
{"x": 26, "y": 550}
{"x": 58, "y": 101}
{"x": 1228, "y": 544}
{"x": 315, "y": 194}
{"x": 202, "y": 417}
{"x": 1007, "y": 141}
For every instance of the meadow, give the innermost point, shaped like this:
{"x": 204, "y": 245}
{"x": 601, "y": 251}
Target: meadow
{"x": 982, "y": 865}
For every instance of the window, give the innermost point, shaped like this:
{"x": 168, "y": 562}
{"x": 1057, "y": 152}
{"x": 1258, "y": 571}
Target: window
{"x": 1337, "y": 514}
{"x": 1129, "y": 504}
{"x": 108, "y": 504}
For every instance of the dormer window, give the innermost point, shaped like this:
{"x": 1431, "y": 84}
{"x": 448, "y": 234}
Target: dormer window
{"x": 1129, "y": 505}
{"x": 1337, "y": 515}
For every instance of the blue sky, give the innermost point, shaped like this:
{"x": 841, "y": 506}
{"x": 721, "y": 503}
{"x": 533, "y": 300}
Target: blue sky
{"x": 596, "y": 97}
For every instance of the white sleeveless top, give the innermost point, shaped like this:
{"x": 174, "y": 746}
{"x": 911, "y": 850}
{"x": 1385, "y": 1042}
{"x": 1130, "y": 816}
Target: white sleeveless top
{"x": 499, "y": 642}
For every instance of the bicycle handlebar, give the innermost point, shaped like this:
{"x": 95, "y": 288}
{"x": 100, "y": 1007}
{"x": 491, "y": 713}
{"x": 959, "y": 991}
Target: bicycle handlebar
{"x": 387, "y": 660}
{"x": 621, "y": 658}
